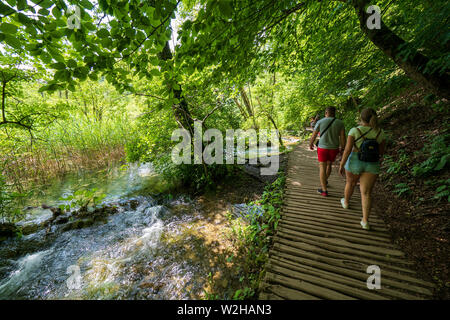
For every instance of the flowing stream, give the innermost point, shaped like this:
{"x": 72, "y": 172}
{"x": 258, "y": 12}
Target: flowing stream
{"x": 149, "y": 246}
{"x": 121, "y": 257}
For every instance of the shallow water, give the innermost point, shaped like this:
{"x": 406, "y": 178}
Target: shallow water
{"x": 120, "y": 258}
{"x": 115, "y": 182}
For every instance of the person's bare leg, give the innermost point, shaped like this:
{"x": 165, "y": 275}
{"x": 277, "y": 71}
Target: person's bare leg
{"x": 350, "y": 183}
{"x": 329, "y": 163}
{"x": 323, "y": 175}
{"x": 367, "y": 181}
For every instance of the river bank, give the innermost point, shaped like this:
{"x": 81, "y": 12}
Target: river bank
{"x": 141, "y": 243}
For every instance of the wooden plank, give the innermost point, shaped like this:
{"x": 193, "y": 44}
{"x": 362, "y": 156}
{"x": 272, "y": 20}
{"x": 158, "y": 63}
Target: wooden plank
{"x": 361, "y": 283}
{"x": 343, "y": 240}
{"x": 337, "y": 230}
{"x": 397, "y": 287}
{"x": 355, "y": 219}
{"x": 351, "y": 291}
{"x": 336, "y": 225}
{"x": 289, "y": 294}
{"x": 393, "y": 262}
{"x": 320, "y": 251}
{"x": 270, "y": 296}
{"x": 353, "y": 265}
{"x": 306, "y": 287}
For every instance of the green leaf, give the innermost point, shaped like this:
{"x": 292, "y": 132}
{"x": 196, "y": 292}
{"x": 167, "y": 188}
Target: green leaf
{"x": 44, "y": 12}
{"x": 71, "y": 87}
{"x": 71, "y": 63}
{"x": 12, "y": 3}
{"x": 45, "y": 57}
{"x": 56, "y": 12}
{"x": 23, "y": 19}
{"x": 31, "y": 30}
{"x": 60, "y": 75}
{"x": 4, "y": 9}
{"x": 87, "y": 4}
{"x": 43, "y": 4}
{"x": 44, "y": 88}
{"x": 21, "y": 4}
{"x": 8, "y": 28}
{"x": 93, "y": 76}
{"x": 155, "y": 72}
{"x": 58, "y": 66}
{"x": 89, "y": 25}
{"x": 442, "y": 162}
{"x": 55, "y": 54}
{"x": 106, "y": 42}
{"x": 130, "y": 33}
{"x": 226, "y": 8}
{"x": 13, "y": 41}
{"x": 103, "y": 33}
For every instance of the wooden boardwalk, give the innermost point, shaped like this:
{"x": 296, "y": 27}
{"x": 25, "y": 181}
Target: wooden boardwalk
{"x": 320, "y": 250}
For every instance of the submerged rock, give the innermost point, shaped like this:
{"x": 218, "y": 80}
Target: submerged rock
{"x": 63, "y": 218}
{"x": 51, "y": 218}
{"x": 35, "y": 222}
{"x": 129, "y": 204}
{"x": 247, "y": 212}
{"x": 78, "y": 224}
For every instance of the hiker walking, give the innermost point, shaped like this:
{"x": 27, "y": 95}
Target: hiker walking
{"x": 332, "y": 136}
{"x": 361, "y": 160}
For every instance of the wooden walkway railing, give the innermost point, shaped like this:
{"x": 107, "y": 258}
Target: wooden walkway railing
{"x": 320, "y": 250}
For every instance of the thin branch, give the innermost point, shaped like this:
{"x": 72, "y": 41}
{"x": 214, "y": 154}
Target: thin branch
{"x": 149, "y": 95}
{"x": 150, "y": 34}
{"x": 211, "y": 112}
{"x": 16, "y": 123}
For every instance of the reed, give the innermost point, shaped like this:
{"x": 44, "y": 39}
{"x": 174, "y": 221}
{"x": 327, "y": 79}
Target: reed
{"x": 66, "y": 146}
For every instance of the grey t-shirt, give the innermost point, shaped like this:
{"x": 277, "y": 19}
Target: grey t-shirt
{"x": 330, "y": 140}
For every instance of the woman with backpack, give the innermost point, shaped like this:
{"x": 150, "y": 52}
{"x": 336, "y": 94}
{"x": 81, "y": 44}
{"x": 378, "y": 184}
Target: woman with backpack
{"x": 361, "y": 160}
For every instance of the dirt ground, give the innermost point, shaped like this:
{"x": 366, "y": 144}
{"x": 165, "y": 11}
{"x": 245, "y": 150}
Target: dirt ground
{"x": 419, "y": 224}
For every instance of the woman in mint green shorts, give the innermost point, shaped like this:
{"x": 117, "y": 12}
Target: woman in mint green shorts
{"x": 354, "y": 169}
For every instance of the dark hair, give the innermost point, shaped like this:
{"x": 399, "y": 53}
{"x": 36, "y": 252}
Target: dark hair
{"x": 369, "y": 116}
{"x": 331, "y": 111}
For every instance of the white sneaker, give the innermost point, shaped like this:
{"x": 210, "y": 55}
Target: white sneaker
{"x": 343, "y": 203}
{"x": 365, "y": 226}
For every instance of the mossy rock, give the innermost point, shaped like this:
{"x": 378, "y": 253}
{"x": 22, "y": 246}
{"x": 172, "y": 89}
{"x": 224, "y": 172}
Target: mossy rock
{"x": 78, "y": 224}
{"x": 7, "y": 230}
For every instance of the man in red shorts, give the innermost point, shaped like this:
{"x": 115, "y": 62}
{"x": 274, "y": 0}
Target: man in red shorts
{"x": 332, "y": 135}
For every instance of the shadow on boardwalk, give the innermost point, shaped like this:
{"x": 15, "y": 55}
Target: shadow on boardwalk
{"x": 320, "y": 250}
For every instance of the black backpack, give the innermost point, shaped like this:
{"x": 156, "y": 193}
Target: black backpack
{"x": 370, "y": 149}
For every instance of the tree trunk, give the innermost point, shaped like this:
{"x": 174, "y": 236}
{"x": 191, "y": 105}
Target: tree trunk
{"x": 3, "y": 101}
{"x": 249, "y": 107}
{"x": 182, "y": 114}
{"x": 414, "y": 66}
{"x": 276, "y": 128}
{"x": 240, "y": 108}
{"x": 272, "y": 120}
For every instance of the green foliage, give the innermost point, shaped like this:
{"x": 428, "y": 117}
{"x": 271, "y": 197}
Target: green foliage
{"x": 443, "y": 188}
{"x": 397, "y": 167}
{"x": 256, "y": 236}
{"x": 443, "y": 191}
{"x": 438, "y": 153}
{"x": 402, "y": 189}
{"x": 81, "y": 199}
{"x": 8, "y": 199}
{"x": 47, "y": 135}
{"x": 253, "y": 235}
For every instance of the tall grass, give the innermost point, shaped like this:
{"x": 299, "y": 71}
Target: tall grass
{"x": 73, "y": 144}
